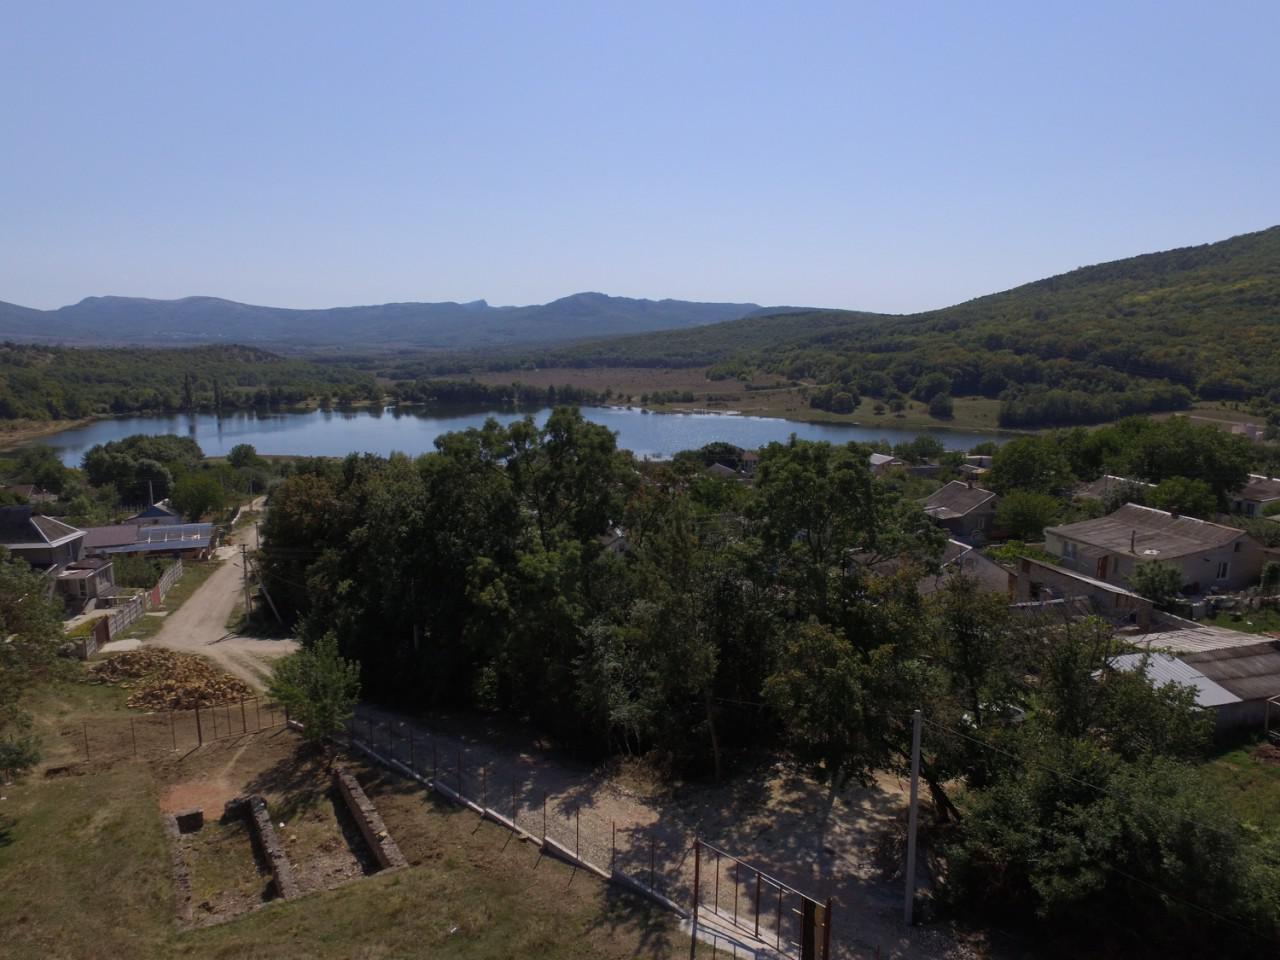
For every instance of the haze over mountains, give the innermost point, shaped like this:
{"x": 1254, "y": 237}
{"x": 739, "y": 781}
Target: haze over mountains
{"x": 443, "y": 326}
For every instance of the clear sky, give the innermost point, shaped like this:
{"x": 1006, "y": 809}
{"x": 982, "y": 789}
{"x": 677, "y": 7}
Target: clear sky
{"x": 888, "y": 156}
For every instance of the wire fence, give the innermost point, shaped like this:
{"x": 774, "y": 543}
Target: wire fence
{"x": 155, "y": 734}
{"x": 658, "y": 859}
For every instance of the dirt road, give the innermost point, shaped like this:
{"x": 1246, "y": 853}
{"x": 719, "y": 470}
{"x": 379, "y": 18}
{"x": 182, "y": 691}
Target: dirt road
{"x": 199, "y": 625}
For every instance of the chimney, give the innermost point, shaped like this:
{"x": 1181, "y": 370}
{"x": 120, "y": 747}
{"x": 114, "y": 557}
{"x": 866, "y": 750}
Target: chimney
{"x": 1133, "y": 541}
{"x": 968, "y": 480}
{"x": 1173, "y": 512}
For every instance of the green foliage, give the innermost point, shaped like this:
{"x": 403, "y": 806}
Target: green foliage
{"x": 1033, "y": 464}
{"x": 317, "y": 687}
{"x": 1024, "y": 514}
{"x": 1192, "y": 498}
{"x": 54, "y": 383}
{"x": 30, "y": 630}
{"x": 1158, "y": 582}
{"x": 137, "y": 570}
{"x": 1007, "y": 553}
{"x": 196, "y": 495}
{"x": 941, "y": 407}
{"x": 141, "y": 467}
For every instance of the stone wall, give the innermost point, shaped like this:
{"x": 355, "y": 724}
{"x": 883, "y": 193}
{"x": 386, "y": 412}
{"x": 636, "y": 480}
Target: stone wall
{"x": 375, "y": 833}
{"x": 254, "y": 809}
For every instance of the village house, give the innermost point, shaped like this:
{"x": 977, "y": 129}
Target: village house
{"x": 964, "y": 509}
{"x": 1259, "y": 492}
{"x": 1109, "y": 486}
{"x": 1040, "y": 582}
{"x": 882, "y": 462}
{"x": 961, "y": 559}
{"x": 1209, "y": 556}
{"x": 41, "y": 541}
{"x": 30, "y": 493}
{"x": 189, "y": 541}
{"x": 161, "y": 513}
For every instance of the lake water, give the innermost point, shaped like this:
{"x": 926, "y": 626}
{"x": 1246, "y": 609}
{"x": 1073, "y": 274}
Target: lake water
{"x": 413, "y": 430}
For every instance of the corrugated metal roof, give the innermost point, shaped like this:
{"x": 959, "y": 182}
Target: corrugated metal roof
{"x": 1149, "y": 533}
{"x": 1193, "y": 639}
{"x": 1163, "y": 668}
{"x": 1250, "y": 672}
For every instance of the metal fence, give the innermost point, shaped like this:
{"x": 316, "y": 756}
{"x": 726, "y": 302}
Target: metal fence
{"x": 734, "y": 905}
{"x": 161, "y": 732}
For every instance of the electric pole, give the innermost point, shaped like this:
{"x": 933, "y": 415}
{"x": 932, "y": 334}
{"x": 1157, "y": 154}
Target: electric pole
{"x": 244, "y": 569}
{"x": 912, "y": 817}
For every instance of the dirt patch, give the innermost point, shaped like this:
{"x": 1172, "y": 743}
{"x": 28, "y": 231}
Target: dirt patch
{"x": 1269, "y": 754}
{"x": 209, "y": 795}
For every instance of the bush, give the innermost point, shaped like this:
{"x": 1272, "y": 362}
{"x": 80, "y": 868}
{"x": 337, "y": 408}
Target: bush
{"x": 941, "y": 407}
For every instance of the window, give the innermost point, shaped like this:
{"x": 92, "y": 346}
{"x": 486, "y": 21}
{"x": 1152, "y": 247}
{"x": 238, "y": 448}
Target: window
{"x": 1236, "y": 548}
{"x": 1224, "y": 567}
{"x": 1068, "y": 550}
{"x": 1101, "y": 570}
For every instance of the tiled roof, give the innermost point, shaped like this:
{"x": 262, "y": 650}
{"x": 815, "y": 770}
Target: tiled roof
{"x": 1147, "y": 532}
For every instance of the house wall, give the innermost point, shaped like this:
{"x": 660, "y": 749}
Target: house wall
{"x": 1112, "y": 605}
{"x": 1199, "y": 570}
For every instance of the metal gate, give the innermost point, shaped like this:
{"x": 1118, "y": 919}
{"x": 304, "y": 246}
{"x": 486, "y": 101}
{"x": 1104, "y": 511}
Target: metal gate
{"x": 770, "y": 911}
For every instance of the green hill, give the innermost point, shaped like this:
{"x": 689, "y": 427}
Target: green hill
{"x": 1145, "y": 333}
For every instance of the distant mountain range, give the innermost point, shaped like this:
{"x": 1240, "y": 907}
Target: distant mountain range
{"x": 443, "y": 326}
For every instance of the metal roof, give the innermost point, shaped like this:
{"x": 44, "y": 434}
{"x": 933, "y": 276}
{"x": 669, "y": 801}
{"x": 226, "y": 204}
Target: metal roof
{"x": 19, "y": 527}
{"x": 1260, "y": 489}
{"x": 1149, "y": 533}
{"x": 1162, "y": 668}
{"x": 1250, "y": 672}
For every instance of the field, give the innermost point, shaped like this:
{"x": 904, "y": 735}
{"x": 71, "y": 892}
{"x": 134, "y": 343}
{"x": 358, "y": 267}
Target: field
{"x": 87, "y": 875}
{"x": 764, "y": 399}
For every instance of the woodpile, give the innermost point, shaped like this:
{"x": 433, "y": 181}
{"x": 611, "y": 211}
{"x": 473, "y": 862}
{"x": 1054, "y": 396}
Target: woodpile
{"x": 166, "y": 680}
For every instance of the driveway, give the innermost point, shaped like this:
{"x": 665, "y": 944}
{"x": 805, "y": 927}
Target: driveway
{"x": 199, "y": 625}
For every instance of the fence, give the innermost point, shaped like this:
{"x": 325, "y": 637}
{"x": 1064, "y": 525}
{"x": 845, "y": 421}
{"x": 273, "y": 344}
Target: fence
{"x": 750, "y": 900}
{"x": 654, "y": 859}
{"x": 163, "y": 732}
{"x": 104, "y": 628}
{"x": 167, "y": 580}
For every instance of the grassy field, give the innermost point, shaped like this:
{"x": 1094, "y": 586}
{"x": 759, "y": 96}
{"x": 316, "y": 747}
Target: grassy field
{"x": 86, "y": 868}
{"x": 630, "y": 384}
{"x": 1266, "y": 620}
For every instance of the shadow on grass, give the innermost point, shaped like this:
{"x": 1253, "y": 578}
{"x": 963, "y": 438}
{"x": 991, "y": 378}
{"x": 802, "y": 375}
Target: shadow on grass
{"x": 6, "y": 830}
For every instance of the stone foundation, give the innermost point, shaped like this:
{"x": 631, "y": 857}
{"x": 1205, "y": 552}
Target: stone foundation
{"x": 375, "y": 833}
{"x": 254, "y": 809}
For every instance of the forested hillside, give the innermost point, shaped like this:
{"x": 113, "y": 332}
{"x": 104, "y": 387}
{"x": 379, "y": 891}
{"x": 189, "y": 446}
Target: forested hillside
{"x": 1146, "y": 333}
{"x": 51, "y": 383}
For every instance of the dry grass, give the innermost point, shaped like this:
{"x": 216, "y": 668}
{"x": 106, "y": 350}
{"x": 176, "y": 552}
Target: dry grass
{"x": 86, "y": 871}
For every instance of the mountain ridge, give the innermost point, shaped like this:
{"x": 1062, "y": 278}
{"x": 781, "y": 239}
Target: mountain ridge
{"x": 444, "y": 325}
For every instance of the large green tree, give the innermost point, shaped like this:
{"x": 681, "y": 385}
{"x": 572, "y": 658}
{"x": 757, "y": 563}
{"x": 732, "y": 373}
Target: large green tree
{"x": 30, "y": 629}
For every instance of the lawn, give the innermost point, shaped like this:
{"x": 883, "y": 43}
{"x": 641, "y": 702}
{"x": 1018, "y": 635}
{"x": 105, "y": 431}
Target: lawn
{"x": 86, "y": 868}
{"x": 1248, "y": 779}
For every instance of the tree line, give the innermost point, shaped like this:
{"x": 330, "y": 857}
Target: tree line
{"x": 626, "y": 607}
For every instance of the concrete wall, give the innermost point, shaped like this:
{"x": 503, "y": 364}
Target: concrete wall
{"x": 1113, "y": 605}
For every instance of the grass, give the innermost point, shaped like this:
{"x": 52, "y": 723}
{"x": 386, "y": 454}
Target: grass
{"x": 1265, "y": 620}
{"x": 194, "y": 574}
{"x": 1249, "y": 784}
{"x": 86, "y": 870}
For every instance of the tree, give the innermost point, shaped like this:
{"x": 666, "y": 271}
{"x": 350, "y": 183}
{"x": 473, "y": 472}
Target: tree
{"x": 1158, "y": 582}
{"x": 1194, "y": 498}
{"x": 941, "y": 407}
{"x": 30, "y": 629}
{"x": 1030, "y": 463}
{"x": 243, "y": 455}
{"x": 1025, "y": 513}
{"x": 197, "y": 494}
{"x": 318, "y": 688}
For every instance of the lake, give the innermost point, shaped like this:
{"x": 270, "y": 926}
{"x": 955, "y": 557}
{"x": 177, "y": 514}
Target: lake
{"x": 413, "y": 430}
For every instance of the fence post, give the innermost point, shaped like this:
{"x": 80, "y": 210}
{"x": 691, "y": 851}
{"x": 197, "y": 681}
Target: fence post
{"x": 544, "y": 818}
{"x": 257, "y": 711}
{"x": 735, "y": 892}
{"x": 758, "y": 905}
{"x": 173, "y": 733}
{"x": 133, "y": 735}
{"x": 199, "y": 728}
{"x": 435, "y": 763}
{"x": 85, "y": 729}
{"x": 484, "y": 786}
{"x": 515, "y": 810}
{"x": 244, "y": 722}
{"x": 652, "y": 862}
{"x": 613, "y": 845}
{"x": 413, "y": 753}
{"x": 826, "y": 931}
{"x": 577, "y": 832}
{"x": 213, "y": 712}
{"x": 697, "y": 879}
{"x": 779, "y": 931}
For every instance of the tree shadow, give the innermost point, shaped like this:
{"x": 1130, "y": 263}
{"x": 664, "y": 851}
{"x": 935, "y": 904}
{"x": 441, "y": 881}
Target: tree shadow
{"x": 7, "y": 824}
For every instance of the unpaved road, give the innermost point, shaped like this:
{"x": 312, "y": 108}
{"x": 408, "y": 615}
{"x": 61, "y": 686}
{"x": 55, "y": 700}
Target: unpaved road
{"x": 822, "y": 841}
{"x": 199, "y": 625}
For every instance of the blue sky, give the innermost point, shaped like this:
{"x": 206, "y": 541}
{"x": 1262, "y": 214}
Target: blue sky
{"x": 891, "y": 156}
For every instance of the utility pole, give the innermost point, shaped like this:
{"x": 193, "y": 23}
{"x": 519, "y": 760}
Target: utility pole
{"x": 244, "y": 569}
{"x": 912, "y": 817}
